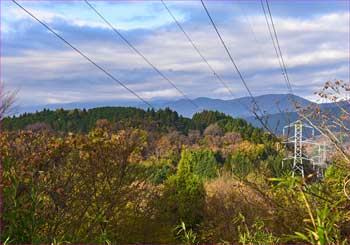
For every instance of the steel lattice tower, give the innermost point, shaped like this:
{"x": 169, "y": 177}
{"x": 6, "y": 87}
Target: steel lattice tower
{"x": 297, "y": 140}
{"x": 298, "y": 148}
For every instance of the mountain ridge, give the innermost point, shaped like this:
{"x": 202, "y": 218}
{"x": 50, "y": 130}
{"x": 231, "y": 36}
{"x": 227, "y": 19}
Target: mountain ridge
{"x": 278, "y": 108}
{"x": 269, "y": 103}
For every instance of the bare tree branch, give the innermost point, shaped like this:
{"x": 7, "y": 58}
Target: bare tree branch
{"x": 7, "y": 100}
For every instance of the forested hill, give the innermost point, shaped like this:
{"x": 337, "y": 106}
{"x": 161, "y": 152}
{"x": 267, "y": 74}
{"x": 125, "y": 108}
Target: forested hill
{"x": 162, "y": 120}
{"x": 128, "y": 176}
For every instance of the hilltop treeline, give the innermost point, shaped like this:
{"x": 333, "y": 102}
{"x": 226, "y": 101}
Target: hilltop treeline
{"x": 125, "y": 175}
{"x": 82, "y": 121}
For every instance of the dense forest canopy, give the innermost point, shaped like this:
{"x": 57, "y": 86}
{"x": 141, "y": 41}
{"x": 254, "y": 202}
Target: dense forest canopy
{"x": 125, "y": 175}
{"x": 82, "y": 121}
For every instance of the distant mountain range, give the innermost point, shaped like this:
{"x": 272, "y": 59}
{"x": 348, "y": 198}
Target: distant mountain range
{"x": 271, "y": 103}
{"x": 277, "y": 106}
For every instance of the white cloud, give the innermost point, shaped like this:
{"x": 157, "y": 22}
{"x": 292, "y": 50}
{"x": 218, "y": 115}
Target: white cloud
{"x": 318, "y": 57}
{"x": 166, "y": 93}
{"x": 50, "y": 17}
{"x": 315, "y": 50}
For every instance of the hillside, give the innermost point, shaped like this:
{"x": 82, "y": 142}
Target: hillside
{"x": 161, "y": 121}
{"x": 279, "y": 109}
{"x": 127, "y": 175}
{"x": 137, "y": 174}
{"x": 77, "y": 120}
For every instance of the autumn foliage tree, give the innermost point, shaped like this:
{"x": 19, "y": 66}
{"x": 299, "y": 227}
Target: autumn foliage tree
{"x": 83, "y": 186}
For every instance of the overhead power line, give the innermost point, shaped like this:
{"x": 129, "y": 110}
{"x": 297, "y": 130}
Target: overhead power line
{"x": 197, "y": 49}
{"x": 280, "y": 62}
{"x": 276, "y": 45}
{"x": 279, "y": 55}
{"x": 202, "y": 56}
{"x": 236, "y": 67}
{"x": 248, "y": 22}
{"x": 227, "y": 51}
{"x": 140, "y": 54}
{"x": 83, "y": 55}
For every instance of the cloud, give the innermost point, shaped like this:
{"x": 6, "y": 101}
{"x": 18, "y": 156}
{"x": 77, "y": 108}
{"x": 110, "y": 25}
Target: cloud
{"x": 130, "y": 15}
{"x": 48, "y": 71}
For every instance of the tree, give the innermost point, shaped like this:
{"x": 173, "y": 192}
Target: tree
{"x": 246, "y": 158}
{"x": 39, "y": 127}
{"x": 230, "y": 142}
{"x": 75, "y": 188}
{"x": 205, "y": 164}
{"x": 334, "y": 123}
{"x": 193, "y": 137}
{"x": 184, "y": 194}
{"x": 213, "y": 130}
{"x": 7, "y": 100}
{"x": 102, "y": 123}
{"x": 203, "y": 119}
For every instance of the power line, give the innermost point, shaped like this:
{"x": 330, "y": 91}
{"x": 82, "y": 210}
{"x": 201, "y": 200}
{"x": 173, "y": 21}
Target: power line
{"x": 276, "y": 45}
{"x": 140, "y": 54}
{"x": 202, "y": 56}
{"x": 247, "y": 19}
{"x": 235, "y": 66}
{"x": 227, "y": 51}
{"x": 197, "y": 49}
{"x": 255, "y": 38}
{"x": 82, "y": 54}
{"x": 278, "y": 55}
{"x": 286, "y": 79}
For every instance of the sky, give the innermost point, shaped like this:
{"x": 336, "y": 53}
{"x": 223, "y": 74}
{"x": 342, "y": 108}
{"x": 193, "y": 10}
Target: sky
{"x": 313, "y": 36}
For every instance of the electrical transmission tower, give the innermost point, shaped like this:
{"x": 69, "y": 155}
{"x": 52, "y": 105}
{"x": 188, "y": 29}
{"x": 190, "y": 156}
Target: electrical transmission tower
{"x": 299, "y": 141}
{"x": 320, "y": 161}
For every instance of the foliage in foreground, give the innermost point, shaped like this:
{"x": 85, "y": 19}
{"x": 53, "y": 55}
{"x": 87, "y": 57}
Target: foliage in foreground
{"x": 221, "y": 183}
